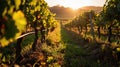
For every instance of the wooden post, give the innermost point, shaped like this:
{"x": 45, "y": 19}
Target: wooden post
{"x": 18, "y": 47}
{"x": 36, "y": 36}
{"x": 91, "y": 24}
{"x": 18, "y": 50}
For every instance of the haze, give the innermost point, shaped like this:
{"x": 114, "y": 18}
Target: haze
{"x": 75, "y": 4}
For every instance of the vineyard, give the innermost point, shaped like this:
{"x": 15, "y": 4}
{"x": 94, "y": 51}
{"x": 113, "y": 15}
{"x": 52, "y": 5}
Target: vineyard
{"x": 30, "y": 36}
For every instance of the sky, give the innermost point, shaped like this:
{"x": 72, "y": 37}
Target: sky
{"x": 75, "y": 4}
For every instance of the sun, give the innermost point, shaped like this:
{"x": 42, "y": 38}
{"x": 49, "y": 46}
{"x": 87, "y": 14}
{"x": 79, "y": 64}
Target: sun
{"x": 74, "y": 7}
{"x": 75, "y": 4}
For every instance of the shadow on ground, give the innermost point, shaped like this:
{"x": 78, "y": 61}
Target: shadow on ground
{"x": 81, "y": 52}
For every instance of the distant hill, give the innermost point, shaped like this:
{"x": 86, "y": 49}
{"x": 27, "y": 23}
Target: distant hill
{"x": 63, "y": 12}
{"x": 87, "y": 8}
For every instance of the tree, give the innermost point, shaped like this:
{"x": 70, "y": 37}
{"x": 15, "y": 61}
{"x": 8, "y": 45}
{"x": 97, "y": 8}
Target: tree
{"x": 12, "y": 21}
{"x": 99, "y": 22}
{"x": 15, "y": 15}
{"x": 111, "y": 13}
{"x": 88, "y": 17}
{"x": 39, "y": 17}
{"x": 83, "y": 20}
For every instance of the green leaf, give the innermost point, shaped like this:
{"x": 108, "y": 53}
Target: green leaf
{"x": 17, "y": 3}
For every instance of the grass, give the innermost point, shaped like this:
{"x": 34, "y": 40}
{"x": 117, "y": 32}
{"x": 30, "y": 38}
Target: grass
{"x": 66, "y": 37}
{"x": 73, "y": 56}
{"x": 55, "y": 36}
{"x": 27, "y": 43}
{"x": 91, "y": 48}
{"x": 66, "y": 53}
{"x": 61, "y": 50}
{"x": 27, "y": 40}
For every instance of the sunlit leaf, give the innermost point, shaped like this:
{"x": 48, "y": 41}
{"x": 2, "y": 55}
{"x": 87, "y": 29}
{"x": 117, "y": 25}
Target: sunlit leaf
{"x": 118, "y": 49}
{"x": 17, "y": 3}
{"x": 20, "y": 20}
{"x": 11, "y": 10}
{"x": 5, "y": 11}
{"x": 4, "y": 42}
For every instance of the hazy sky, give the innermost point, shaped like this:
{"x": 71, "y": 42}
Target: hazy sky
{"x": 75, "y": 3}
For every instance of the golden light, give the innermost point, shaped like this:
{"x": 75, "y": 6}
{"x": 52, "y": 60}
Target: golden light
{"x": 75, "y": 4}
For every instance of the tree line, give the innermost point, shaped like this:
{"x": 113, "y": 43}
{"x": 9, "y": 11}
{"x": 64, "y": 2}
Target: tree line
{"x": 68, "y": 13}
{"x": 106, "y": 21}
{"x": 19, "y": 18}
